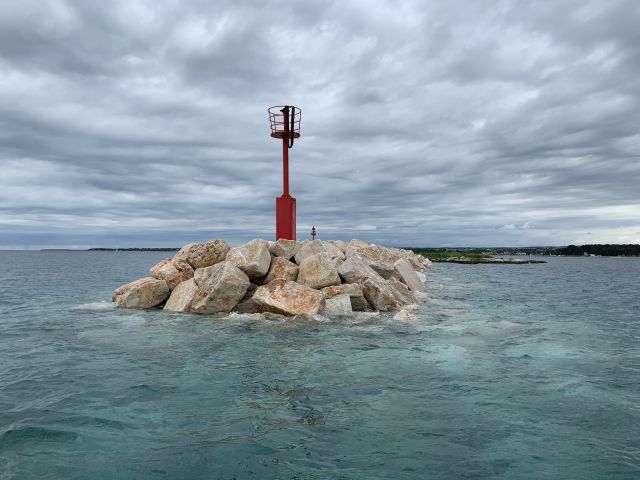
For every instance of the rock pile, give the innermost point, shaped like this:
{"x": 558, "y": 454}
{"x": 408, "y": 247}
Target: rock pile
{"x": 286, "y": 277}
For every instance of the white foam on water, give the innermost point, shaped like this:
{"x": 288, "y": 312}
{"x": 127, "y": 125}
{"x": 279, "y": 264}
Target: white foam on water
{"x": 449, "y": 357}
{"x": 95, "y": 306}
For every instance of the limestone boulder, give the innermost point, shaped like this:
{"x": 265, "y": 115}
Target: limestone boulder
{"x": 247, "y": 304}
{"x": 338, "y": 305}
{"x": 355, "y": 270}
{"x": 385, "y": 270}
{"x": 307, "y": 249}
{"x": 281, "y": 269}
{"x": 340, "y": 244}
{"x": 182, "y": 297}
{"x": 403, "y": 295}
{"x": 380, "y": 294}
{"x": 289, "y": 298}
{"x": 376, "y": 253}
{"x": 357, "y": 243}
{"x": 146, "y": 292}
{"x": 417, "y": 261}
{"x": 333, "y": 251}
{"x": 318, "y": 271}
{"x": 172, "y": 271}
{"x": 220, "y": 288}
{"x": 253, "y": 258}
{"x": 285, "y": 248}
{"x": 408, "y": 275}
{"x": 200, "y": 255}
{"x": 354, "y": 290}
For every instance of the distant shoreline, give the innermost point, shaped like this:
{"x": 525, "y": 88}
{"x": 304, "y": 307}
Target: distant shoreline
{"x": 101, "y": 249}
{"x": 143, "y": 249}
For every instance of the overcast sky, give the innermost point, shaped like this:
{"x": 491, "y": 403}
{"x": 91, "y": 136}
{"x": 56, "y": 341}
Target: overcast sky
{"x": 424, "y": 123}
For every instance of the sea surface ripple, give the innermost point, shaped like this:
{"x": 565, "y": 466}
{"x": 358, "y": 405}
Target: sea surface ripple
{"x": 509, "y": 372}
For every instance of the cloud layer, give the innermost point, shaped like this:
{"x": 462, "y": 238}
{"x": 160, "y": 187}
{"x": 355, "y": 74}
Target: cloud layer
{"x": 143, "y": 123}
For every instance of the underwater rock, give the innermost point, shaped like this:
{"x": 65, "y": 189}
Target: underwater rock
{"x": 404, "y": 316}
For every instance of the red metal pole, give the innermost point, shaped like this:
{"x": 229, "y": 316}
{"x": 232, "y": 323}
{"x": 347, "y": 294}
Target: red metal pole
{"x": 285, "y": 153}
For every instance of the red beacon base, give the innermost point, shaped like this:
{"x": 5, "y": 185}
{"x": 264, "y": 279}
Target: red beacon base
{"x": 285, "y": 217}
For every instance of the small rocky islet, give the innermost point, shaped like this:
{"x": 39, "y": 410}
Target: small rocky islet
{"x": 285, "y": 277}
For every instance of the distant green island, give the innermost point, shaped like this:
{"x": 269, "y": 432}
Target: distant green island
{"x": 480, "y": 254}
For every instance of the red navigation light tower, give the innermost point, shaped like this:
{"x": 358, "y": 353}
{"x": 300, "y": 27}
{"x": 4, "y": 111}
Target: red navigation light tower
{"x": 285, "y": 124}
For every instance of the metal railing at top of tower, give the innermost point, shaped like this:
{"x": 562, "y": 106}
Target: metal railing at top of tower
{"x": 281, "y": 128}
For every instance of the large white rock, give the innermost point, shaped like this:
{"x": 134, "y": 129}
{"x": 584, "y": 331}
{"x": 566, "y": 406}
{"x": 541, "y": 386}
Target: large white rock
{"x": 220, "y": 288}
{"x": 253, "y": 258}
{"x": 376, "y": 253}
{"x": 354, "y": 290}
{"x": 355, "y": 270}
{"x": 182, "y": 296}
{"x": 200, "y": 255}
{"x": 146, "y": 292}
{"x": 338, "y": 305}
{"x": 285, "y": 248}
{"x": 380, "y": 294}
{"x": 172, "y": 271}
{"x": 408, "y": 275}
{"x": 307, "y": 249}
{"x": 333, "y": 251}
{"x": 385, "y": 270}
{"x": 281, "y": 269}
{"x": 288, "y": 298}
{"x": 417, "y": 261}
{"x": 318, "y": 271}
{"x": 340, "y": 244}
{"x": 403, "y": 295}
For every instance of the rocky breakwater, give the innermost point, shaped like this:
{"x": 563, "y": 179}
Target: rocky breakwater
{"x": 286, "y": 277}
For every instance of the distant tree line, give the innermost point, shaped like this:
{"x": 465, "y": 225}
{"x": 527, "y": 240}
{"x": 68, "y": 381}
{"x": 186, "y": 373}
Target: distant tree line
{"x": 608, "y": 250}
{"x": 141, "y": 249}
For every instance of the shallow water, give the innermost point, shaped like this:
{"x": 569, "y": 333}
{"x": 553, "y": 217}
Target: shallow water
{"x": 510, "y": 372}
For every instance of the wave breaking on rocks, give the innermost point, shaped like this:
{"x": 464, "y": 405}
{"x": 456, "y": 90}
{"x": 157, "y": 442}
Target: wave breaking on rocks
{"x": 286, "y": 277}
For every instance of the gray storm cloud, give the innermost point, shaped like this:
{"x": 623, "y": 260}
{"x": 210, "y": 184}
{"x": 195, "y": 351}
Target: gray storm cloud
{"x": 424, "y": 123}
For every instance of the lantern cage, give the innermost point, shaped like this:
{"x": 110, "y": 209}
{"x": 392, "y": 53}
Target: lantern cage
{"x": 276, "y": 121}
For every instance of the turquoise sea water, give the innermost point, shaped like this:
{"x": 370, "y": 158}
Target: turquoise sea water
{"x": 510, "y": 372}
